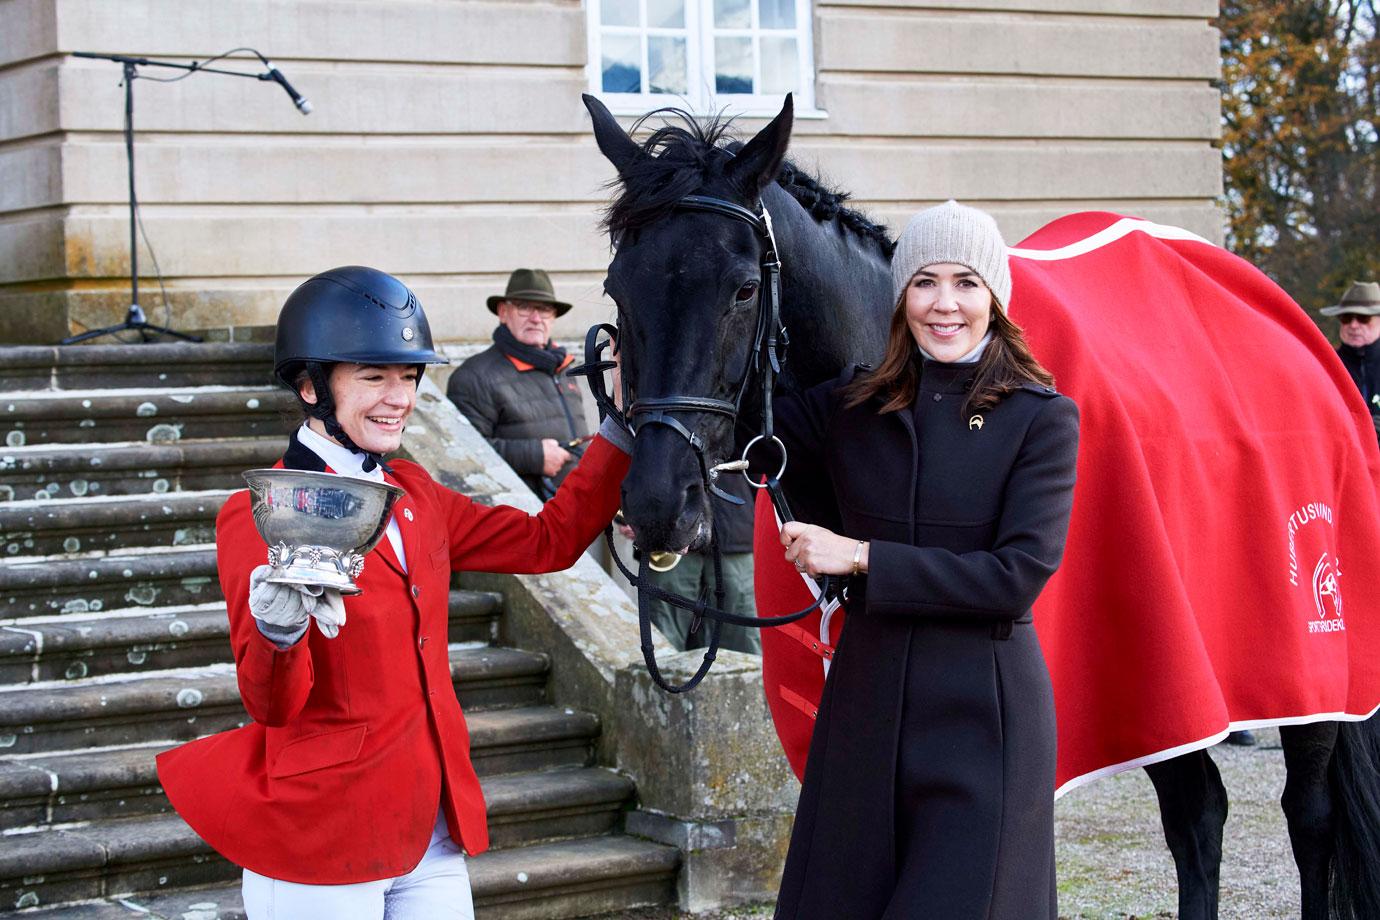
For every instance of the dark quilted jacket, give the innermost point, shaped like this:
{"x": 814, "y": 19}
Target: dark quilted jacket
{"x": 515, "y": 408}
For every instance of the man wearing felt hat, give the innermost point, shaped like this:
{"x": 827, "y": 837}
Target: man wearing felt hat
{"x": 516, "y": 393}
{"x": 1359, "y": 316}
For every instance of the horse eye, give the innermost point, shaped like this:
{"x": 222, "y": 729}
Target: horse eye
{"x": 746, "y": 292}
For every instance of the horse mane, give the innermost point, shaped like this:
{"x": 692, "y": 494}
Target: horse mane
{"x": 680, "y": 158}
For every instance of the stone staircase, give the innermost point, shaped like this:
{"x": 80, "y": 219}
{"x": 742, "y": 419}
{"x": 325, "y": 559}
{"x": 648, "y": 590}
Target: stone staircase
{"x": 113, "y": 647}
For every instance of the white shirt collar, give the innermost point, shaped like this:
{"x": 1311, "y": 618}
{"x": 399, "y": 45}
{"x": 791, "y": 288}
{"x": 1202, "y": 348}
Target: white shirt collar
{"x": 343, "y": 461}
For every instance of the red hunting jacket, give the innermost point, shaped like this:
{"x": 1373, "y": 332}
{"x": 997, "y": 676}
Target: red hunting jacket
{"x": 356, "y": 740}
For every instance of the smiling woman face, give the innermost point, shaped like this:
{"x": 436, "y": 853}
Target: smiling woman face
{"x": 372, "y": 403}
{"x": 948, "y": 309}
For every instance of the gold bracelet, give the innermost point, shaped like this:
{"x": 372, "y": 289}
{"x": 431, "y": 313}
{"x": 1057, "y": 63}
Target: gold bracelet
{"x": 857, "y": 557}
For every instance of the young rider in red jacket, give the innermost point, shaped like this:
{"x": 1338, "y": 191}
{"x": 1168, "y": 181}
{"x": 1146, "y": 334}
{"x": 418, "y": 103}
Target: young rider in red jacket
{"x": 351, "y": 793}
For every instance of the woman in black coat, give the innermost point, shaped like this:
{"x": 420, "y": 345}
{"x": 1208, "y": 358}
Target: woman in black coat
{"x": 942, "y": 483}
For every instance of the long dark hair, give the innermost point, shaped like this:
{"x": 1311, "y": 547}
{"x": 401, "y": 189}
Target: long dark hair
{"x": 1004, "y": 367}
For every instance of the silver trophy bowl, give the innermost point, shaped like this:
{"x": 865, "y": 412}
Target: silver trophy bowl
{"x": 318, "y": 526}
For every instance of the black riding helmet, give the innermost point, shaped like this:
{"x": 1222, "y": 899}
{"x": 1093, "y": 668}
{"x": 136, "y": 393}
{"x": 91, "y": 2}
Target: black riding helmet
{"x": 353, "y": 315}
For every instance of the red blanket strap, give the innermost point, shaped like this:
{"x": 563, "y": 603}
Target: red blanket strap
{"x": 799, "y": 702}
{"x": 809, "y": 640}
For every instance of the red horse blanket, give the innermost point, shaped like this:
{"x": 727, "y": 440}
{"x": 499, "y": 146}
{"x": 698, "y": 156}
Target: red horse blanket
{"x": 1224, "y": 550}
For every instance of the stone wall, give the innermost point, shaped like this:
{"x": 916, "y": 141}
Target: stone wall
{"x": 448, "y": 144}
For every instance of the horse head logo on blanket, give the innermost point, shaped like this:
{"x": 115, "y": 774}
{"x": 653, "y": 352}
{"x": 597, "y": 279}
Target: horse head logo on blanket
{"x": 1325, "y": 575}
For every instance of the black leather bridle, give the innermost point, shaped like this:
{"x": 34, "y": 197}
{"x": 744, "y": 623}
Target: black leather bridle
{"x": 765, "y": 362}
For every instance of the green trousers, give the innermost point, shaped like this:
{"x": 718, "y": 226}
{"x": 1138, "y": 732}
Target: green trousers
{"x": 694, "y": 574}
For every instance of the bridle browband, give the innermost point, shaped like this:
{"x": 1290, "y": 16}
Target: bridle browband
{"x": 765, "y": 362}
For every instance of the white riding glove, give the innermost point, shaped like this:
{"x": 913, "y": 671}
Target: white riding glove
{"x": 283, "y": 611}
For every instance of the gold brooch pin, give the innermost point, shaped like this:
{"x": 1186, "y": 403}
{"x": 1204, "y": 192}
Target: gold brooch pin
{"x": 975, "y": 422}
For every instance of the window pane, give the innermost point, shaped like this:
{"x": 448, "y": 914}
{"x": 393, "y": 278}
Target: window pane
{"x": 666, "y": 65}
{"x": 779, "y": 71}
{"x": 666, "y": 14}
{"x": 618, "y": 12}
{"x": 732, "y": 65}
{"x": 776, "y": 14}
{"x": 732, "y": 14}
{"x": 622, "y": 63}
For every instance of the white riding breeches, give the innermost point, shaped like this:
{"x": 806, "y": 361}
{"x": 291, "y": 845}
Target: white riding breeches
{"x": 437, "y": 889}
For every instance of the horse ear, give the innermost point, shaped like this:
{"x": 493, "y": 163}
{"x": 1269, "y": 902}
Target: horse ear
{"x": 758, "y": 162}
{"x": 621, "y": 150}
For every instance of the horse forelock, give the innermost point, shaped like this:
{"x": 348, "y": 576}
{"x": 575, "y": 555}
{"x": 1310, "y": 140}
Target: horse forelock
{"x": 678, "y": 159}
{"x": 687, "y": 154}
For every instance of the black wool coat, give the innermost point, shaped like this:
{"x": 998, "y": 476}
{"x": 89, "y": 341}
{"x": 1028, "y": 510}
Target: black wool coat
{"x": 1363, "y": 364}
{"x": 929, "y": 788}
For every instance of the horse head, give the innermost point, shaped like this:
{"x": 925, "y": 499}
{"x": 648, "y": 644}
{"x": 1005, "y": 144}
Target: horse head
{"x": 688, "y": 286}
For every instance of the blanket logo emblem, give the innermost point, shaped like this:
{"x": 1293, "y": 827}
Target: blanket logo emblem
{"x": 1327, "y": 595}
{"x": 1327, "y": 570}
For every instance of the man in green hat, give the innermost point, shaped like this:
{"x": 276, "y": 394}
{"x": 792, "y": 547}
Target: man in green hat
{"x": 1359, "y": 315}
{"x": 516, "y": 393}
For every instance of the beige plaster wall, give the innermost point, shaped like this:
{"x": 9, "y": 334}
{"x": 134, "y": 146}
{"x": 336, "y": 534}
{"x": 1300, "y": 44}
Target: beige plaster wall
{"x": 448, "y": 144}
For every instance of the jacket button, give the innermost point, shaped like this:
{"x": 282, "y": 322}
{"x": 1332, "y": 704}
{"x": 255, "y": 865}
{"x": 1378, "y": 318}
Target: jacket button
{"x": 416, "y": 591}
{"x": 937, "y": 397}
{"x": 421, "y": 643}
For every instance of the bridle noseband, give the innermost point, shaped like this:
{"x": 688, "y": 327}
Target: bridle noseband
{"x": 765, "y": 361}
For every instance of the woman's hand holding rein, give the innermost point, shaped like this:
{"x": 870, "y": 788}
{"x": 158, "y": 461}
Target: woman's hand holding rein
{"x": 816, "y": 550}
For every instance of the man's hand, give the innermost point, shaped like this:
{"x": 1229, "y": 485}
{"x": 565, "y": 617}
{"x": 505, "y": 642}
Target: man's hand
{"x": 816, "y": 550}
{"x": 553, "y": 456}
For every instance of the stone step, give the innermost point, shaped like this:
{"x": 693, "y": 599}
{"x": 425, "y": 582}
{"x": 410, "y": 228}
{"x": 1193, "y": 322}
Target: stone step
{"x": 573, "y": 878}
{"x": 548, "y": 805}
{"x": 155, "y": 577}
{"x": 570, "y": 878}
{"x": 532, "y": 738}
{"x": 74, "y": 646}
{"x": 185, "y": 703}
{"x": 58, "y": 788}
{"x": 94, "y": 860}
{"x": 155, "y": 415}
{"x": 45, "y": 527}
{"x": 46, "y": 473}
{"x": 81, "y": 367}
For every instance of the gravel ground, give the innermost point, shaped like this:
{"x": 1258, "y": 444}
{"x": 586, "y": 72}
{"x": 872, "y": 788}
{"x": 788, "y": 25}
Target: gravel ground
{"x": 1113, "y": 864}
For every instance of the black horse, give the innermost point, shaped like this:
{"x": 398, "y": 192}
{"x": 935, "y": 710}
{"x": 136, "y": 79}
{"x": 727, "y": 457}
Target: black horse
{"x": 687, "y": 286}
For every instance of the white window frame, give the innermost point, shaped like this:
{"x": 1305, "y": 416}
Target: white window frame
{"x": 702, "y": 99}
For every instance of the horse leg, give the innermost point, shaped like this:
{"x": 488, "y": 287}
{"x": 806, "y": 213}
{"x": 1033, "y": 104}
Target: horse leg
{"x": 1308, "y": 807}
{"x": 1193, "y": 808}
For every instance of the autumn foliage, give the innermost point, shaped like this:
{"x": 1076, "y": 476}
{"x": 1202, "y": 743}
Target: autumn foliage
{"x": 1301, "y": 157}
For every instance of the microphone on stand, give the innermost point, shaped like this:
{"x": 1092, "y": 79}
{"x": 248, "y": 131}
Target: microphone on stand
{"x": 298, "y": 99}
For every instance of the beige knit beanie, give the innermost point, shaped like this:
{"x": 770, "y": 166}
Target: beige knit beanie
{"x": 952, "y": 232}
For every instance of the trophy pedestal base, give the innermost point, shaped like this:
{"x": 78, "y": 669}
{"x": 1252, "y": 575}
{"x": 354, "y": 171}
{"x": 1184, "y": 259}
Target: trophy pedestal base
{"x": 325, "y": 576}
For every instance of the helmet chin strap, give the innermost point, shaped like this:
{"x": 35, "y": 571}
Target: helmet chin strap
{"x": 324, "y": 411}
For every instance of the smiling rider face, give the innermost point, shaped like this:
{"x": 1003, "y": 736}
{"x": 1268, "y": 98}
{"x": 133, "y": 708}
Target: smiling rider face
{"x": 948, "y": 309}
{"x": 372, "y": 403}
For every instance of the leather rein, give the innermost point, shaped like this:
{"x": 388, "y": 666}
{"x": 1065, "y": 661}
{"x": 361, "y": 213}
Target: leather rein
{"x": 765, "y": 363}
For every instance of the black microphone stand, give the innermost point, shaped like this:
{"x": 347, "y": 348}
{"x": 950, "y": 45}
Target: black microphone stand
{"x": 135, "y": 320}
